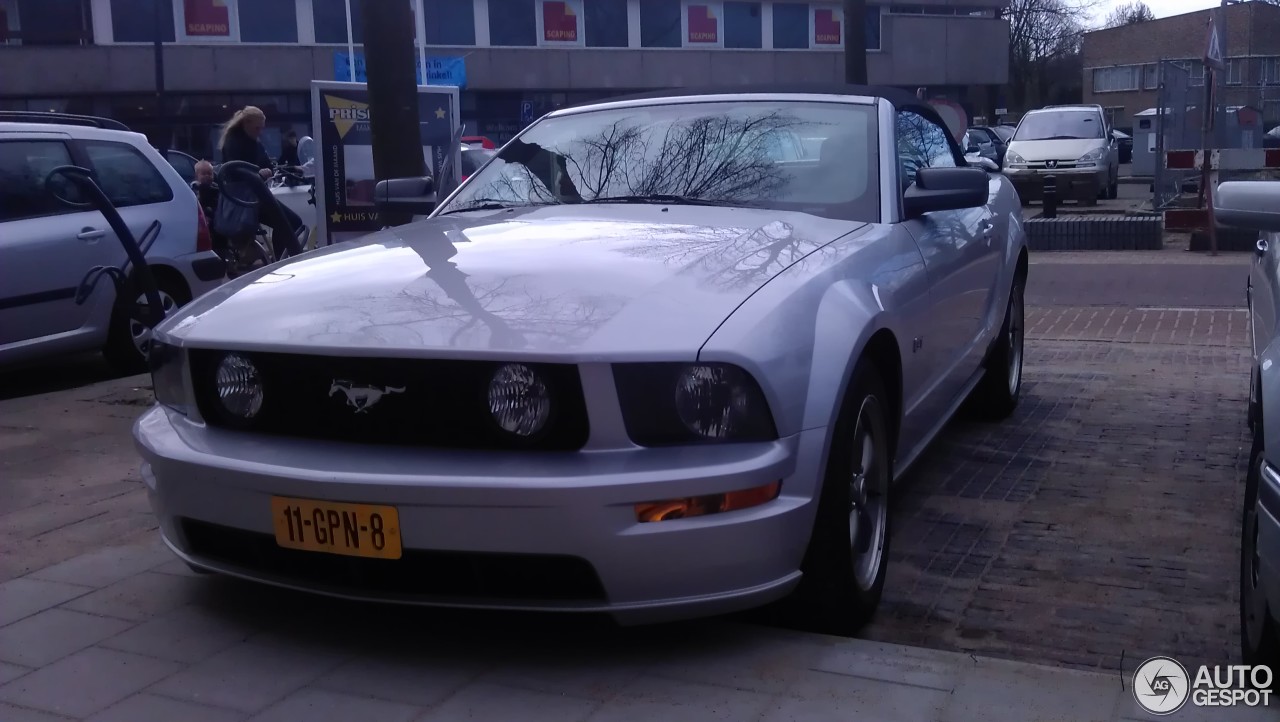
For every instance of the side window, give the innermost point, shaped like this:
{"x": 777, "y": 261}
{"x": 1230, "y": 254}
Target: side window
{"x": 24, "y": 167}
{"x": 184, "y": 164}
{"x": 921, "y": 144}
{"x": 126, "y": 175}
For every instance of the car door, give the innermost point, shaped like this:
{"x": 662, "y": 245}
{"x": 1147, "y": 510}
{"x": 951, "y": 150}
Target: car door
{"x": 960, "y": 257}
{"x": 46, "y": 247}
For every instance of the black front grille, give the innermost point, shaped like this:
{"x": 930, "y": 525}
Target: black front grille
{"x": 434, "y": 403}
{"x": 426, "y": 574}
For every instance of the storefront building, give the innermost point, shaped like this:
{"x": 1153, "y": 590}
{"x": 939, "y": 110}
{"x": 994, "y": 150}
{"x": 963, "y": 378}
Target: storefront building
{"x": 514, "y": 59}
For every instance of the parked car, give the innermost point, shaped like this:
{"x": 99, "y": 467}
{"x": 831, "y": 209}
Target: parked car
{"x": 47, "y": 247}
{"x": 183, "y": 163}
{"x": 473, "y": 157}
{"x": 980, "y": 144}
{"x": 1255, "y": 205}
{"x": 1072, "y": 143}
{"x": 634, "y": 365}
{"x": 989, "y": 135}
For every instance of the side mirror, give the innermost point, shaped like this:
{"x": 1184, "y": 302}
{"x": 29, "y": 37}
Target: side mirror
{"x": 945, "y": 189}
{"x": 1251, "y": 205}
{"x": 973, "y": 149}
{"x": 412, "y": 196}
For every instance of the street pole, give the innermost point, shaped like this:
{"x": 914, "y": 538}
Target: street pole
{"x": 391, "y": 70}
{"x": 855, "y": 42}
{"x": 158, "y": 44}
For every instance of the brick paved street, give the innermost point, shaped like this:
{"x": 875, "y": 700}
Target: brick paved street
{"x": 1103, "y": 518}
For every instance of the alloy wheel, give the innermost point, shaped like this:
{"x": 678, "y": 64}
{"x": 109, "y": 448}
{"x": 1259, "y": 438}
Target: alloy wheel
{"x": 1015, "y": 340}
{"x": 139, "y": 331}
{"x": 868, "y": 497}
{"x": 1253, "y": 602}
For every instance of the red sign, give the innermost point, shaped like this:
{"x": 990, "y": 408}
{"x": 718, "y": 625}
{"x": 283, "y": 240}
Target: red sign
{"x": 826, "y": 27}
{"x": 703, "y": 25}
{"x": 207, "y": 18}
{"x": 559, "y": 23}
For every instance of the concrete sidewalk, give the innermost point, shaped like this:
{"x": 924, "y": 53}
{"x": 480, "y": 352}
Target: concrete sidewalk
{"x": 128, "y": 634}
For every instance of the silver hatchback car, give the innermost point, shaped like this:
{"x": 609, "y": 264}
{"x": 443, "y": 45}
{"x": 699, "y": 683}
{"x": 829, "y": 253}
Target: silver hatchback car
{"x": 636, "y": 364}
{"x": 47, "y": 247}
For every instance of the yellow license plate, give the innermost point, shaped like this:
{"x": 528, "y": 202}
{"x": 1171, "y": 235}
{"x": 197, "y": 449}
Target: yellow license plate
{"x": 357, "y": 530}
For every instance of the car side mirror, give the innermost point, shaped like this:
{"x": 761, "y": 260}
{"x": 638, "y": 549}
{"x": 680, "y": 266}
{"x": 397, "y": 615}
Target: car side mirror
{"x": 973, "y": 149}
{"x": 945, "y": 189}
{"x": 1251, "y": 205}
{"x": 412, "y": 196}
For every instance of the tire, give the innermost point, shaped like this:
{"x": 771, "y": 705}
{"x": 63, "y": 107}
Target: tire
{"x": 1113, "y": 190}
{"x": 1259, "y": 632}
{"x": 996, "y": 395}
{"x": 128, "y": 339}
{"x": 841, "y": 587}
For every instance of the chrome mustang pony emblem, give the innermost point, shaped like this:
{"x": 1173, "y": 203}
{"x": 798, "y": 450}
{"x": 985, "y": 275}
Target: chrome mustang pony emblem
{"x": 361, "y": 398}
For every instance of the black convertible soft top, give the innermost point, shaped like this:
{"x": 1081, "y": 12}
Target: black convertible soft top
{"x": 900, "y": 99}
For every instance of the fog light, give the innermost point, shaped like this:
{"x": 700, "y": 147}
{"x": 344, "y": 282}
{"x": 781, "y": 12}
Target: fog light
{"x": 239, "y": 386}
{"x": 519, "y": 400}
{"x": 707, "y": 504}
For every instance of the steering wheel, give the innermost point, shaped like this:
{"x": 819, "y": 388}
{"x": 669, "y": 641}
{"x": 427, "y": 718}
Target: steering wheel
{"x": 247, "y": 172}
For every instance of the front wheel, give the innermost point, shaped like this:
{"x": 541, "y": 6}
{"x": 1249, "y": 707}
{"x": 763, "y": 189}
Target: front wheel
{"x": 1259, "y": 634}
{"x": 997, "y": 394}
{"x": 845, "y": 563}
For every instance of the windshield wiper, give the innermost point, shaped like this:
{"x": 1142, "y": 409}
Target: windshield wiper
{"x": 1063, "y": 137}
{"x": 661, "y": 198}
{"x": 487, "y": 206}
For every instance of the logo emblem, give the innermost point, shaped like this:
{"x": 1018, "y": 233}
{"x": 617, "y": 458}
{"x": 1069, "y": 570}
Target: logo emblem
{"x": 1051, "y": 164}
{"x": 361, "y": 398}
{"x": 1161, "y": 685}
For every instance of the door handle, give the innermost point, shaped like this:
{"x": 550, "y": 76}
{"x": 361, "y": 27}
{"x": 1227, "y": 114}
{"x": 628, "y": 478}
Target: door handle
{"x": 90, "y": 234}
{"x": 987, "y": 228}
{"x": 1261, "y": 247}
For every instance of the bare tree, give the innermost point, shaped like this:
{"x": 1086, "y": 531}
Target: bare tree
{"x": 1132, "y": 13}
{"x": 1041, "y": 33}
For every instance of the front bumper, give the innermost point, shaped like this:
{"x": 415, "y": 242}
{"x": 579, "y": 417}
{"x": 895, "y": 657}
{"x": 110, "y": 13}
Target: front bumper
{"x": 1080, "y": 184}
{"x": 479, "y": 512}
{"x": 1269, "y": 536}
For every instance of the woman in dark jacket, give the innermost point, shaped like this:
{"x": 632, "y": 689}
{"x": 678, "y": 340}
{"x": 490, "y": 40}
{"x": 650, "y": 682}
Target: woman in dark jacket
{"x": 241, "y": 141}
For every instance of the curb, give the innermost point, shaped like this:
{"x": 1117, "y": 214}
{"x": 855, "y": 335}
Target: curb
{"x": 1096, "y": 233}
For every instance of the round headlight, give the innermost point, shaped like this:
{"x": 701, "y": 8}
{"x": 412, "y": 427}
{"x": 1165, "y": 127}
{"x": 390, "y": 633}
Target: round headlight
{"x": 519, "y": 400}
{"x": 239, "y": 386}
{"x": 712, "y": 401}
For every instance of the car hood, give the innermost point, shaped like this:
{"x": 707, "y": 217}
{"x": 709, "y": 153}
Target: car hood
{"x": 1034, "y": 151}
{"x": 641, "y": 280}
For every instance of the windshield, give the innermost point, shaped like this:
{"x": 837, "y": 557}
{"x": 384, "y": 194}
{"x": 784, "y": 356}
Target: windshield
{"x": 473, "y": 158}
{"x": 751, "y": 154}
{"x": 1060, "y": 125}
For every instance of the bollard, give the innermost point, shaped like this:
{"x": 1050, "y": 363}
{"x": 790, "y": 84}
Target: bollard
{"x": 1050, "y": 197}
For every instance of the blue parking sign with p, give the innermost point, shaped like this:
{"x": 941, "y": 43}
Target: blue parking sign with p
{"x": 526, "y": 112}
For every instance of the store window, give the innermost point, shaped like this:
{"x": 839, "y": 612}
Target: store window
{"x": 450, "y": 22}
{"x": 512, "y": 23}
{"x": 742, "y": 25}
{"x": 660, "y": 24}
{"x": 790, "y": 25}
{"x": 606, "y": 23}
{"x": 45, "y": 22}
{"x": 134, "y": 21}
{"x": 331, "y": 21}
{"x": 269, "y": 21}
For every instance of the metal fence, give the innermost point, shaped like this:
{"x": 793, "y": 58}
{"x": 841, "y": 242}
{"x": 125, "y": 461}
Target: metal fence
{"x": 1174, "y": 131}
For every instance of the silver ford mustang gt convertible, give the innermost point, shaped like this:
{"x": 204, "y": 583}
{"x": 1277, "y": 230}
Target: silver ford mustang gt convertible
{"x": 660, "y": 358}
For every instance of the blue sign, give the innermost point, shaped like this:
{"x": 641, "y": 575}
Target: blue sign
{"x": 526, "y": 112}
{"x": 441, "y": 70}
